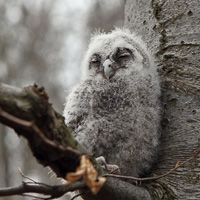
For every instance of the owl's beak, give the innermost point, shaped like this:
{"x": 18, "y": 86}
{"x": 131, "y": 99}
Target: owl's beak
{"x": 108, "y": 69}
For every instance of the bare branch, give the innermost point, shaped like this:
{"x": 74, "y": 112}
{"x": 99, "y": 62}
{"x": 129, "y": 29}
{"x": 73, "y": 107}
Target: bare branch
{"x": 30, "y": 126}
{"x": 77, "y": 195}
{"x": 24, "y": 176}
{"x": 51, "y": 191}
{"x": 156, "y": 177}
{"x": 29, "y": 113}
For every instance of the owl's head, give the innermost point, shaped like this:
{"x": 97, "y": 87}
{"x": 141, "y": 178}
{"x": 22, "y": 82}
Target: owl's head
{"x": 114, "y": 55}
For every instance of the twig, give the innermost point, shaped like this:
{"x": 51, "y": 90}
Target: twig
{"x": 52, "y": 191}
{"x": 24, "y": 176}
{"x": 35, "y": 197}
{"x": 30, "y": 179}
{"x": 75, "y": 196}
{"x": 113, "y": 171}
{"x": 156, "y": 177}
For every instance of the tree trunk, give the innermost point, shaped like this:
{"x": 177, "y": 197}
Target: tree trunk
{"x": 172, "y": 32}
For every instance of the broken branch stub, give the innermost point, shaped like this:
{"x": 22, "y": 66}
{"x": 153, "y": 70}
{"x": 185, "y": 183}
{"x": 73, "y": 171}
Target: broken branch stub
{"x": 29, "y": 113}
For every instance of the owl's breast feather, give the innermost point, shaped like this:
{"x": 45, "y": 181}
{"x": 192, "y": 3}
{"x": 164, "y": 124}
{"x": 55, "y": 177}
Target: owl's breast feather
{"x": 111, "y": 98}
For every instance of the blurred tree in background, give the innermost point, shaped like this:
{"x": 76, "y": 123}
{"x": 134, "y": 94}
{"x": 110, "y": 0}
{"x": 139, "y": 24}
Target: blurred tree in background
{"x": 43, "y": 42}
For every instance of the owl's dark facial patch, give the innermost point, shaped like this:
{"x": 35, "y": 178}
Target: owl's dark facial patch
{"x": 95, "y": 61}
{"x": 121, "y": 55}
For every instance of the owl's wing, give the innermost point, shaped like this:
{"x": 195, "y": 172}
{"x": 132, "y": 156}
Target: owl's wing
{"x": 78, "y": 105}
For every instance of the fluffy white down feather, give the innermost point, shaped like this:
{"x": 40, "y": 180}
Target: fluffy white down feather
{"x": 117, "y": 118}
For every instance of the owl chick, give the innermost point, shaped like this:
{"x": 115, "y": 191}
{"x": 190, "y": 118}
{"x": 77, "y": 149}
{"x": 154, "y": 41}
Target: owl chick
{"x": 114, "y": 110}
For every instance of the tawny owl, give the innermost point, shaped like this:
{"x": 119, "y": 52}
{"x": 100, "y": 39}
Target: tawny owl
{"x": 114, "y": 110}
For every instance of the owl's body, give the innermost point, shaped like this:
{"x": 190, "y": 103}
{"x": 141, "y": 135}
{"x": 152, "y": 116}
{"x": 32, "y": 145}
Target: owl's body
{"x": 114, "y": 111}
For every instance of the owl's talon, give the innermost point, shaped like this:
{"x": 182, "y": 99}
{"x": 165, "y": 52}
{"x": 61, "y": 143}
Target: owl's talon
{"x": 110, "y": 168}
{"x": 102, "y": 161}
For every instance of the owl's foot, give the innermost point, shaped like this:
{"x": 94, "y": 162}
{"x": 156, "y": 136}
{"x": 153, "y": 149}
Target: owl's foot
{"x": 108, "y": 167}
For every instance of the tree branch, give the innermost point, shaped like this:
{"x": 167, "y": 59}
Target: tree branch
{"x": 16, "y": 123}
{"x": 52, "y": 191}
{"x": 178, "y": 165}
{"x": 29, "y": 113}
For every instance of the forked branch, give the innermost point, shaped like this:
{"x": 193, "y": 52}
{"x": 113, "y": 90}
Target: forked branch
{"x": 38, "y": 188}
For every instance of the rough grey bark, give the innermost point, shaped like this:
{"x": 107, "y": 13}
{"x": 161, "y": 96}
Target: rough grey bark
{"x": 172, "y": 32}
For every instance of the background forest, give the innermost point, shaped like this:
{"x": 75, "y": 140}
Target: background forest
{"x": 44, "y": 42}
